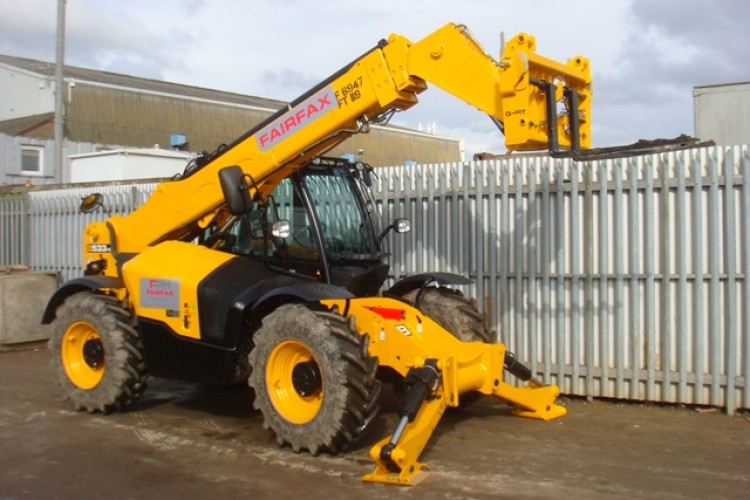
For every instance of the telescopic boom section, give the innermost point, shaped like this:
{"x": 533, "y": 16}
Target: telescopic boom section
{"x": 521, "y": 93}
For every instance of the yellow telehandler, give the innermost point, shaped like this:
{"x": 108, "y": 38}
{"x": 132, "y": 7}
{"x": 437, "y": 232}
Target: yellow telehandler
{"x": 264, "y": 262}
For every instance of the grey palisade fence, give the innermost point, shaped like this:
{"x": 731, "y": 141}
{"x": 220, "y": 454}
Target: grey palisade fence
{"x": 621, "y": 278}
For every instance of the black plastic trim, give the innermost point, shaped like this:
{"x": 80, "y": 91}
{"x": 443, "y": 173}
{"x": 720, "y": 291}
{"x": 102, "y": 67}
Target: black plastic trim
{"x": 237, "y": 294}
{"x": 172, "y": 356}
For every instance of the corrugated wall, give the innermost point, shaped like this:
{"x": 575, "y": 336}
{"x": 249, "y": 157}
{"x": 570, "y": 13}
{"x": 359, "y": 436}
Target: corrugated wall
{"x": 121, "y": 116}
{"x": 620, "y": 278}
{"x": 102, "y": 114}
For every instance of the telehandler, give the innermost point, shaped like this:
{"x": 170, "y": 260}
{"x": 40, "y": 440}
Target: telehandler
{"x": 264, "y": 261}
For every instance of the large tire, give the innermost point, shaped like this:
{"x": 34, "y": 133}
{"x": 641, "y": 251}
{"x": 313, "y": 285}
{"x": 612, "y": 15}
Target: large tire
{"x": 458, "y": 315}
{"x": 97, "y": 355}
{"x": 313, "y": 379}
{"x": 453, "y": 311}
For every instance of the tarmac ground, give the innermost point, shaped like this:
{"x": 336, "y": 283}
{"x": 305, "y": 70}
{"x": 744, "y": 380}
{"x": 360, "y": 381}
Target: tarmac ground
{"x": 192, "y": 441}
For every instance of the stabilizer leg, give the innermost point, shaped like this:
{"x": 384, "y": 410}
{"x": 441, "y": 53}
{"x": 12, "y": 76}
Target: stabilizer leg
{"x": 531, "y": 402}
{"x": 396, "y": 457}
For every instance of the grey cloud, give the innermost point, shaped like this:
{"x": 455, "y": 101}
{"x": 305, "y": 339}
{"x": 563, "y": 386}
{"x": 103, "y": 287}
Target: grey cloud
{"x": 673, "y": 46}
{"x": 285, "y": 83}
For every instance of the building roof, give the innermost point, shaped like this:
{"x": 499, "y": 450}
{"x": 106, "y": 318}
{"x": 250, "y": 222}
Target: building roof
{"x": 77, "y": 74}
{"x": 111, "y": 108}
{"x": 26, "y": 124}
{"x": 720, "y": 85}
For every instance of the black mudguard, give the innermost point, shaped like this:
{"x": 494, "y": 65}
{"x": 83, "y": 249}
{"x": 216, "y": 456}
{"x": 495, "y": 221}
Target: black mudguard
{"x": 245, "y": 290}
{"x": 273, "y": 294}
{"x": 74, "y": 286}
{"x": 415, "y": 281}
{"x": 305, "y": 292}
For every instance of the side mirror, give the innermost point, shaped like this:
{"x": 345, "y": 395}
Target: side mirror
{"x": 399, "y": 226}
{"x": 235, "y": 190}
{"x": 91, "y": 203}
{"x": 281, "y": 229}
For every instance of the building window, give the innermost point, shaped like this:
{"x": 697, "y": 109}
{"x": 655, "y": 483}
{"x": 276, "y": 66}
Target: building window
{"x": 31, "y": 160}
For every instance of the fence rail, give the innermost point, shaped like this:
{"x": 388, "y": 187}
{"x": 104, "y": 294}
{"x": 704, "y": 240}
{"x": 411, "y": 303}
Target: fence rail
{"x": 621, "y": 278}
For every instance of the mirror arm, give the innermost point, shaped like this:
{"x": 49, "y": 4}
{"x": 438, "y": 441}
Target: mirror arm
{"x": 386, "y": 231}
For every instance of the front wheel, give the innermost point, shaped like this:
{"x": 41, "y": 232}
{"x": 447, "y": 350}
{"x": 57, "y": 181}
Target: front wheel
{"x": 97, "y": 356}
{"x": 313, "y": 379}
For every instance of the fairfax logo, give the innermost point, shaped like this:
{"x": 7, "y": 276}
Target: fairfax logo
{"x": 296, "y": 118}
{"x": 160, "y": 293}
{"x": 160, "y": 287}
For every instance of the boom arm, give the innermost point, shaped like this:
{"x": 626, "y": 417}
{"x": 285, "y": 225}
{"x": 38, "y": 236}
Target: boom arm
{"x": 520, "y": 93}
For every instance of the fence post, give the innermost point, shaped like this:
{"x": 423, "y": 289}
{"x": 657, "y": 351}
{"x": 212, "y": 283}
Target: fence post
{"x": 731, "y": 344}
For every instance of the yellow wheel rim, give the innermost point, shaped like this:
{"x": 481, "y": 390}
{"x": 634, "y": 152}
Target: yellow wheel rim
{"x": 83, "y": 355}
{"x": 293, "y": 382}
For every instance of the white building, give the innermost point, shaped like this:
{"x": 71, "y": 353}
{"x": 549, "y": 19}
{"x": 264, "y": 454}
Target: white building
{"x": 722, "y": 113}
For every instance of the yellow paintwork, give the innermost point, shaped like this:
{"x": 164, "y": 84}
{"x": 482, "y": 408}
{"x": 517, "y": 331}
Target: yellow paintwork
{"x": 465, "y": 366}
{"x": 525, "y": 122}
{"x": 97, "y": 245}
{"x": 173, "y": 260}
{"x": 288, "y": 402}
{"x": 80, "y": 373}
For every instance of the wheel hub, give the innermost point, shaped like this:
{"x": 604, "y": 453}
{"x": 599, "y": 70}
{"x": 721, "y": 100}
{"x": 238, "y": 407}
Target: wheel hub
{"x": 306, "y": 378}
{"x": 82, "y": 353}
{"x": 294, "y": 382}
{"x": 93, "y": 353}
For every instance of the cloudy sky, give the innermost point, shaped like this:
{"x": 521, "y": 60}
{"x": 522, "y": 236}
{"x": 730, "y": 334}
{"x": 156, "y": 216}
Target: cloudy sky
{"x": 646, "y": 55}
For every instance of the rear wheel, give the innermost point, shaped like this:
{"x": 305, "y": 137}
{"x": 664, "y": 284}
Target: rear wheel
{"x": 313, "y": 379}
{"x": 453, "y": 311}
{"x": 97, "y": 355}
{"x": 457, "y": 314}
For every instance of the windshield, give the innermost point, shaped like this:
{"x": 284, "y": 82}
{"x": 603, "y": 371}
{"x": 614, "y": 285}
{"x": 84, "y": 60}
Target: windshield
{"x": 343, "y": 215}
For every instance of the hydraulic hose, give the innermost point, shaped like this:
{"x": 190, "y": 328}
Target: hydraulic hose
{"x": 520, "y": 370}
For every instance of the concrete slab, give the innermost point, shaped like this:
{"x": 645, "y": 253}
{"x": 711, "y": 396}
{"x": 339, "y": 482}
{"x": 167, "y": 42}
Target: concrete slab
{"x": 23, "y": 297}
